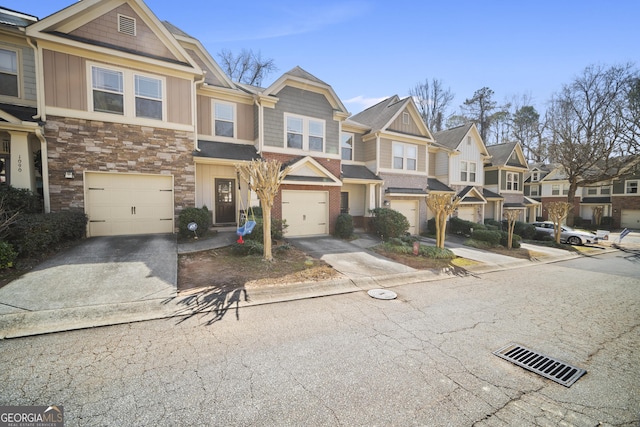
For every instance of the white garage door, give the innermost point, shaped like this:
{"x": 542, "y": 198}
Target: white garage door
{"x": 468, "y": 213}
{"x": 630, "y": 219}
{"x": 408, "y": 208}
{"x": 120, "y": 204}
{"x": 306, "y": 212}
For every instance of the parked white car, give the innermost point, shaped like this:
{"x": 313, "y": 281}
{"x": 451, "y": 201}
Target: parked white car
{"x": 568, "y": 235}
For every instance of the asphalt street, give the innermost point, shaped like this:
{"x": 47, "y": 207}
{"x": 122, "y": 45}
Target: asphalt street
{"x": 422, "y": 359}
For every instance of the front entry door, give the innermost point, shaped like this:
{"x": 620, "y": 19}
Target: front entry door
{"x": 225, "y": 201}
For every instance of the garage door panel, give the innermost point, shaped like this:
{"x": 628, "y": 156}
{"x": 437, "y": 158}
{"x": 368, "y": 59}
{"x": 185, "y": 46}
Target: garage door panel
{"x": 630, "y": 218}
{"x": 120, "y": 204}
{"x": 408, "y": 208}
{"x": 305, "y": 212}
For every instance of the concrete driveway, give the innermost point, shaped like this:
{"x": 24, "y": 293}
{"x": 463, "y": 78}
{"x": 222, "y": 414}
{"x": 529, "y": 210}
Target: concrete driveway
{"x": 99, "y": 271}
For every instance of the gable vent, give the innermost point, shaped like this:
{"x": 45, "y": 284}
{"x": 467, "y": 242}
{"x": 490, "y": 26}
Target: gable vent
{"x": 126, "y": 25}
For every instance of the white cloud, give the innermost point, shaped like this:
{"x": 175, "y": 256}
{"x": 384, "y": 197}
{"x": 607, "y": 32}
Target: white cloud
{"x": 360, "y": 102}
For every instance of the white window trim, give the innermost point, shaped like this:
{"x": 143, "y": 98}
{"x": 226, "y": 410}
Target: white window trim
{"x": 353, "y": 140}
{"x": 552, "y": 189}
{"x": 535, "y": 176}
{"x": 129, "y": 93}
{"x": 306, "y": 134}
{"x": 629, "y": 181}
{"x": 404, "y": 156}
{"x": 18, "y": 53}
{"x": 531, "y": 191}
{"x": 235, "y": 119}
{"x": 515, "y": 180}
{"x": 468, "y": 171}
{"x": 405, "y": 118}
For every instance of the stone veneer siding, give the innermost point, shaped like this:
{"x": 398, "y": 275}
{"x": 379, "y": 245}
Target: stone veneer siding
{"x": 94, "y": 146}
{"x": 332, "y": 165}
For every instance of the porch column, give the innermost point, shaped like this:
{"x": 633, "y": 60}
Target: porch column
{"x": 22, "y": 169}
{"x": 370, "y": 202}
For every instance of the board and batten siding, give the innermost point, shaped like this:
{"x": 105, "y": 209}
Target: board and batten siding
{"x": 66, "y": 84}
{"x": 399, "y": 126}
{"x": 245, "y": 121}
{"x": 468, "y": 152}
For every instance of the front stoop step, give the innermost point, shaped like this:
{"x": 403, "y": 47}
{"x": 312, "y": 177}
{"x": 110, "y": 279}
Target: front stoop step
{"x": 546, "y": 366}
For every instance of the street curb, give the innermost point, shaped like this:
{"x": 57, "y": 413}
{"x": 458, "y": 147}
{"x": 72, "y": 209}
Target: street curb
{"x": 28, "y": 323}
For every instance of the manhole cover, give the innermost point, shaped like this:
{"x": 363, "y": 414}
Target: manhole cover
{"x": 382, "y": 294}
{"x": 547, "y": 366}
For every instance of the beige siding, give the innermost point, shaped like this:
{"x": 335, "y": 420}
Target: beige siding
{"x": 211, "y": 77}
{"x": 432, "y": 164}
{"x": 359, "y": 154}
{"x": 178, "y": 100}
{"x": 386, "y": 150}
{"x": 65, "y": 81}
{"x": 204, "y": 116}
{"x": 104, "y": 29}
{"x": 370, "y": 150}
{"x": 245, "y": 121}
{"x": 410, "y": 128}
{"x": 205, "y": 179}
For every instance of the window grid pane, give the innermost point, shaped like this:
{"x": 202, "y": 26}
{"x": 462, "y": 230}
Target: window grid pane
{"x": 148, "y": 87}
{"x": 107, "y": 80}
{"x": 8, "y": 61}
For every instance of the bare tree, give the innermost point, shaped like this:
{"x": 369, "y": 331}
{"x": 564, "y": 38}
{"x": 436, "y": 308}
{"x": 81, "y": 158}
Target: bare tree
{"x": 265, "y": 177}
{"x": 527, "y": 129}
{"x": 511, "y": 216}
{"x": 480, "y": 108}
{"x": 432, "y": 101}
{"x": 247, "y": 67}
{"x": 558, "y": 211}
{"x": 442, "y": 205}
{"x": 501, "y": 122}
{"x": 594, "y": 128}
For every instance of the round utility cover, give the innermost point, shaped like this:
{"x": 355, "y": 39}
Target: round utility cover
{"x": 192, "y": 226}
{"x": 382, "y": 294}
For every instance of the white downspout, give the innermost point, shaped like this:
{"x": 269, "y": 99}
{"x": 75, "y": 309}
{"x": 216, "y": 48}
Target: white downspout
{"x": 194, "y": 113}
{"x": 37, "y": 60}
{"x": 260, "y": 124}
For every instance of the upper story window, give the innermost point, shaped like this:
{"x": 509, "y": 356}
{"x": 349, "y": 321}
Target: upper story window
{"x": 148, "y": 97}
{"x": 346, "y": 146}
{"x": 555, "y": 190}
{"x": 535, "y": 176}
{"x": 605, "y": 190}
{"x": 592, "y": 191}
{"x": 533, "y": 190}
{"x": 513, "y": 181}
{"x": 224, "y": 119}
{"x": 405, "y": 118}
{"x": 304, "y": 133}
{"x": 108, "y": 90}
{"x": 405, "y": 156}
{"x": 631, "y": 186}
{"x": 8, "y": 73}
{"x": 127, "y": 93}
{"x": 467, "y": 171}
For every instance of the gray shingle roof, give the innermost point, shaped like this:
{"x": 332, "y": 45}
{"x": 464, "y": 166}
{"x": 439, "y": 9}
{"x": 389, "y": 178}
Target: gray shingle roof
{"x": 358, "y": 172}
{"x": 435, "y": 185}
{"x": 488, "y": 194}
{"x": 402, "y": 190}
{"x": 14, "y": 18}
{"x": 19, "y": 112}
{"x": 451, "y": 138}
{"x": 303, "y": 74}
{"x": 226, "y": 150}
{"x": 500, "y": 153}
{"x": 378, "y": 116}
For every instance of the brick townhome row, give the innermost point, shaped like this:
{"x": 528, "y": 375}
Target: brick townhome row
{"x": 107, "y": 109}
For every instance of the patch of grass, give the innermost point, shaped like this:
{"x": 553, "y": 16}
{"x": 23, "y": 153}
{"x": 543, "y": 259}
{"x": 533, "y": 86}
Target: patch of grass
{"x": 428, "y": 258}
{"x": 501, "y": 250}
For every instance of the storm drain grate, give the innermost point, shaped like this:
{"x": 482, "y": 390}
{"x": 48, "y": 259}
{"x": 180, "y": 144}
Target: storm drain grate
{"x": 549, "y": 367}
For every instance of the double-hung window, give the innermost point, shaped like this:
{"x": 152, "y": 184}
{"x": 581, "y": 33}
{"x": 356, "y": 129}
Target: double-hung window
{"x": 533, "y": 190}
{"x": 555, "y": 190}
{"x": 468, "y": 171}
{"x": 148, "y": 97}
{"x": 631, "y": 187}
{"x": 405, "y": 156}
{"x": 126, "y": 93}
{"x": 8, "y": 73}
{"x": 346, "y": 146}
{"x": 304, "y": 133}
{"x": 108, "y": 90}
{"x": 224, "y": 119}
{"x": 512, "y": 181}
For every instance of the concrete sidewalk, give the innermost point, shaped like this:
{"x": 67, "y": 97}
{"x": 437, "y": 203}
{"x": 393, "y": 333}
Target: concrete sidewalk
{"x": 107, "y": 281}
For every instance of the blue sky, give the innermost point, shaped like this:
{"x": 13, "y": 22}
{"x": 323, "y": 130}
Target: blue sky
{"x": 371, "y": 49}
